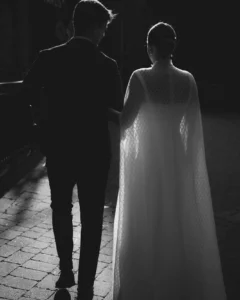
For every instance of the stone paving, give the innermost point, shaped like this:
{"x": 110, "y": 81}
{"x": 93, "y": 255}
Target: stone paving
{"x": 28, "y": 258}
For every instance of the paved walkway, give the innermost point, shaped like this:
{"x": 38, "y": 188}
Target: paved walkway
{"x": 28, "y": 258}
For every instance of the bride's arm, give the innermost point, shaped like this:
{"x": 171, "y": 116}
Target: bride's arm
{"x": 194, "y": 120}
{"x": 133, "y": 100}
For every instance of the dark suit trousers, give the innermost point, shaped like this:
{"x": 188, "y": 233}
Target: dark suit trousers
{"x": 90, "y": 173}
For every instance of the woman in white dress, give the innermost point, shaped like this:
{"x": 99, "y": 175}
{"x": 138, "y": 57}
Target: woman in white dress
{"x": 165, "y": 245}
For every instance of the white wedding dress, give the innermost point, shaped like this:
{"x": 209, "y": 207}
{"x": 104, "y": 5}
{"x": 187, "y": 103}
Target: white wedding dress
{"x": 165, "y": 245}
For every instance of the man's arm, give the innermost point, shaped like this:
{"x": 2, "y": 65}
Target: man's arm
{"x": 33, "y": 83}
{"x": 118, "y": 97}
{"x": 35, "y": 75}
{"x": 116, "y": 94}
{"x": 113, "y": 115}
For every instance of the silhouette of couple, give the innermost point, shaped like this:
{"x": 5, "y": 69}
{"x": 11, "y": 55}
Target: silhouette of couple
{"x": 165, "y": 245}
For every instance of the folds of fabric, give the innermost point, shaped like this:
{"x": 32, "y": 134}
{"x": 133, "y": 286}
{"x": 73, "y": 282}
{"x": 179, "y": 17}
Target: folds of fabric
{"x": 165, "y": 245}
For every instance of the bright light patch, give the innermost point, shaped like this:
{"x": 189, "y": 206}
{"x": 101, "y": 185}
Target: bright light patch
{"x": 184, "y": 132}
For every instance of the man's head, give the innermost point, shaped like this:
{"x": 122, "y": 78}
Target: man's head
{"x": 91, "y": 19}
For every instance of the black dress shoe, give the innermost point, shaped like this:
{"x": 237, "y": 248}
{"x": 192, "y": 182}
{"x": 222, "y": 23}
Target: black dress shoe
{"x": 66, "y": 280}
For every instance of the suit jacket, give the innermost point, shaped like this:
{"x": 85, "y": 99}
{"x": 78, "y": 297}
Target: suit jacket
{"x": 81, "y": 85}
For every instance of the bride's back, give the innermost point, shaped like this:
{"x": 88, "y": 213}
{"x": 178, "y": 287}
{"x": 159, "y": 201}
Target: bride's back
{"x": 166, "y": 85}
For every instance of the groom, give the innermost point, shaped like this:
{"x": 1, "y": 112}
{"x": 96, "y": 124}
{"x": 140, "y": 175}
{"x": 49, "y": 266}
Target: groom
{"x": 83, "y": 88}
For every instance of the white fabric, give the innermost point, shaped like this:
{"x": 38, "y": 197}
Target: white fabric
{"x": 165, "y": 245}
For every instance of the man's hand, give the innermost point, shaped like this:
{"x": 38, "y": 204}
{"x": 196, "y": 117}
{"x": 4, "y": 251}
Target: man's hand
{"x": 114, "y": 116}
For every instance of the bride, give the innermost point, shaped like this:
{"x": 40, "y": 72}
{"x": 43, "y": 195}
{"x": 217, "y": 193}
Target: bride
{"x": 165, "y": 245}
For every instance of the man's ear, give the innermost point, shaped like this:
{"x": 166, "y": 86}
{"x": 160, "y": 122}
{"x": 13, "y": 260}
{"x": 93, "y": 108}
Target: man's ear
{"x": 70, "y": 30}
{"x": 61, "y": 32}
{"x": 149, "y": 50}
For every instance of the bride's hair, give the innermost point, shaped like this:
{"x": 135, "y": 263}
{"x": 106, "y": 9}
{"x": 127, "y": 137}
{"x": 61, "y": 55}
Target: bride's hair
{"x": 163, "y": 37}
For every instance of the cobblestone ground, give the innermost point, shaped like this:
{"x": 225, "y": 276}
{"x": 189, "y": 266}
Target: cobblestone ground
{"x": 28, "y": 258}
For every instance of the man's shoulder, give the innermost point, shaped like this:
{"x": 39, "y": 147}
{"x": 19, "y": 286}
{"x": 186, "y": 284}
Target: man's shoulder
{"x": 53, "y": 49}
{"x": 108, "y": 60}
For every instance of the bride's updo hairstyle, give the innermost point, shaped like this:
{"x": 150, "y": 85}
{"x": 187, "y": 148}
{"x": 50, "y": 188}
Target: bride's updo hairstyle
{"x": 163, "y": 37}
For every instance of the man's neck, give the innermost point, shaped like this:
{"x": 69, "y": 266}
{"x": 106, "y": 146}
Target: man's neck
{"x": 84, "y": 38}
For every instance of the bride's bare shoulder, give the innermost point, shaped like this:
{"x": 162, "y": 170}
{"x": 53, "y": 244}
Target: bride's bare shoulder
{"x": 182, "y": 72}
{"x": 184, "y": 75}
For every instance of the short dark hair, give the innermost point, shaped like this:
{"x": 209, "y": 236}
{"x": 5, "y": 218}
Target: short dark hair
{"x": 90, "y": 14}
{"x": 163, "y": 37}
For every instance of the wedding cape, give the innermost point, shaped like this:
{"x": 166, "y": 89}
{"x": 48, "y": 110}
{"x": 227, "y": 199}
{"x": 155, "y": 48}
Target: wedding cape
{"x": 165, "y": 245}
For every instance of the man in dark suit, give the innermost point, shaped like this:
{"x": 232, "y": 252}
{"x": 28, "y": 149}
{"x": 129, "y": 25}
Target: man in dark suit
{"x": 83, "y": 88}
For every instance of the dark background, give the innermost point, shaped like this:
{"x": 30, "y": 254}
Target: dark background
{"x": 27, "y": 26}
{"x": 199, "y": 31}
